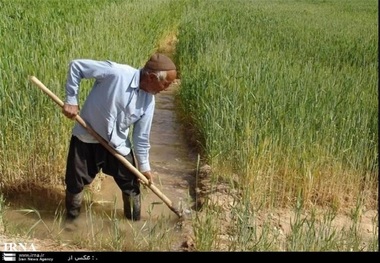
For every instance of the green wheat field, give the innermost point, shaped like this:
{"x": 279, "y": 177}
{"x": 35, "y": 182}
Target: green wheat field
{"x": 280, "y": 96}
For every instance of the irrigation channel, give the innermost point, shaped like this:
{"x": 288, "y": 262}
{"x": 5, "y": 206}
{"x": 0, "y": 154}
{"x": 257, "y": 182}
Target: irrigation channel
{"x": 101, "y": 220}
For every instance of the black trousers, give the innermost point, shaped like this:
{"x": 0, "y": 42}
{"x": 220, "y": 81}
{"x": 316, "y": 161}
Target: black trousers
{"x": 84, "y": 162}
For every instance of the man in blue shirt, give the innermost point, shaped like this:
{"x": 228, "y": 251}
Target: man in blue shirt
{"x": 122, "y": 97}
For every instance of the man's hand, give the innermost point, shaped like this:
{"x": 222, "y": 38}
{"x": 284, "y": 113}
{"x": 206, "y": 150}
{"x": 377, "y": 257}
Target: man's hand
{"x": 149, "y": 176}
{"x": 70, "y": 111}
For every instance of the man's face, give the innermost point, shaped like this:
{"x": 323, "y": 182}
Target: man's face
{"x": 154, "y": 85}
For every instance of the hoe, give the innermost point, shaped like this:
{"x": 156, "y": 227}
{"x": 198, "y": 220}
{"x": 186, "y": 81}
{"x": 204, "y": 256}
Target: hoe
{"x": 124, "y": 161}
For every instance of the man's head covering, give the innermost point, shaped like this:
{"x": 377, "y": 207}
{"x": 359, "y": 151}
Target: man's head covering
{"x": 159, "y": 62}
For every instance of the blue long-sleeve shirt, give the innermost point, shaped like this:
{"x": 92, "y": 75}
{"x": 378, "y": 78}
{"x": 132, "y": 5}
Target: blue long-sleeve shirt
{"x": 114, "y": 104}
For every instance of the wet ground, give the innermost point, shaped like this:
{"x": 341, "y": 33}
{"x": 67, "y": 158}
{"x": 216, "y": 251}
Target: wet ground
{"x": 173, "y": 166}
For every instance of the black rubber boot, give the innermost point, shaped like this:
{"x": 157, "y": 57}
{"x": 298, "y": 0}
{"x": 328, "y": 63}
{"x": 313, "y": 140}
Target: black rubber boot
{"x": 132, "y": 207}
{"x": 73, "y": 204}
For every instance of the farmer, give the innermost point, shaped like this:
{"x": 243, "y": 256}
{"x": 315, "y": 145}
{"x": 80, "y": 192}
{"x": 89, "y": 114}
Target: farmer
{"x": 121, "y": 97}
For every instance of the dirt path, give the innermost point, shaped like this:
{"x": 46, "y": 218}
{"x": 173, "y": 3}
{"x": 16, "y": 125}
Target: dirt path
{"x": 173, "y": 166}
